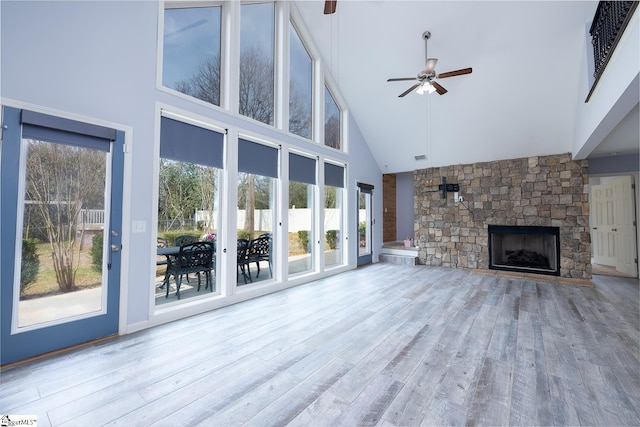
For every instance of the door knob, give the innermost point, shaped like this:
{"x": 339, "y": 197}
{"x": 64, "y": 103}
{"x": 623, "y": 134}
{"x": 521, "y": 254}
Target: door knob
{"x": 614, "y": 229}
{"x": 115, "y": 248}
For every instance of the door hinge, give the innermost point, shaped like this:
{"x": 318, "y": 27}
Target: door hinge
{"x": 109, "y": 266}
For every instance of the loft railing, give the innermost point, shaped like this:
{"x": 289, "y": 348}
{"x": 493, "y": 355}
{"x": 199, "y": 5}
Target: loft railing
{"x": 609, "y": 23}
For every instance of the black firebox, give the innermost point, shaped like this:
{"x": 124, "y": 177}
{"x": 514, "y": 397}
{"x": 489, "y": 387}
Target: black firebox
{"x": 528, "y": 249}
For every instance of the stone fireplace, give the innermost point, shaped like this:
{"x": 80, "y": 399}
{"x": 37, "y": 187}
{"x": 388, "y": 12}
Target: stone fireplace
{"x": 542, "y": 191}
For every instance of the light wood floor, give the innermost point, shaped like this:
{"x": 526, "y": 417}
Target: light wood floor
{"x": 381, "y": 345}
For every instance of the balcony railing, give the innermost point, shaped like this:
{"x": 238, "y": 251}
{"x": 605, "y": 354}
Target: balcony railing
{"x": 609, "y": 23}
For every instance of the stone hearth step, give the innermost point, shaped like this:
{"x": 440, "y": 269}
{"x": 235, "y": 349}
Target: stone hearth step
{"x": 397, "y": 253}
{"x": 399, "y": 259}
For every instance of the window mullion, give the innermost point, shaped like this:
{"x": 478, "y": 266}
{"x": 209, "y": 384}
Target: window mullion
{"x": 230, "y": 72}
{"x": 281, "y": 112}
{"x": 318, "y": 102}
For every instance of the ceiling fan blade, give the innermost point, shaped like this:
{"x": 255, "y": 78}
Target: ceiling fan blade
{"x": 455, "y": 73}
{"x": 431, "y": 65}
{"x": 330, "y": 6}
{"x": 439, "y": 89}
{"x": 408, "y": 90}
{"x": 401, "y": 79}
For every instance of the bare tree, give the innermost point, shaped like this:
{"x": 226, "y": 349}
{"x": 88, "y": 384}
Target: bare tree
{"x": 205, "y": 83}
{"x": 207, "y": 187}
{"x": 256, "y": 86}
{"x": 178, "y": 193}
{"x": 250, "y": 211}
{"x": 60, "y": 179}
{"x": 299, "y": 112}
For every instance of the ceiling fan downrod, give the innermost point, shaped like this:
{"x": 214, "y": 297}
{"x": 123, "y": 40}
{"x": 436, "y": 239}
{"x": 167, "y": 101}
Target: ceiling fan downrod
{"x": 426, "y": 35}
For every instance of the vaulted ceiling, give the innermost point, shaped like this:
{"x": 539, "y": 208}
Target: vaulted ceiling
{"x": 520, "y": 100}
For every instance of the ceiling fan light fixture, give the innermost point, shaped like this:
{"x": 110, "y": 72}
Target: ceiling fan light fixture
{"x": 425, "y": 87}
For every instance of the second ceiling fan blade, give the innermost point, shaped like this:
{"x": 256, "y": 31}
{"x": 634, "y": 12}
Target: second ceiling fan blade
{"x": 431, "y": 65}
{"x": 455, "y": 73}
{"x": 408, "y": 90}
{"x": 401, "y": 79}
{"x": 439, "y": 89}
{"x": 330, "y": 6}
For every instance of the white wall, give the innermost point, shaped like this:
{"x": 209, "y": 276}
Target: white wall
{"x": 97, "y": 61}
{"x": 368, "y": 172}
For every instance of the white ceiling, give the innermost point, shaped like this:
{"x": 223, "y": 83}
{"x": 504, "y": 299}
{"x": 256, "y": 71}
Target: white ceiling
{"x": 520, "y": 100}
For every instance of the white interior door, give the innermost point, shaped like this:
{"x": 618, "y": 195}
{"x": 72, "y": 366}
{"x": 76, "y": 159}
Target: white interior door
{"x": 602, "y": 224}
{"x": 624, "y": 226}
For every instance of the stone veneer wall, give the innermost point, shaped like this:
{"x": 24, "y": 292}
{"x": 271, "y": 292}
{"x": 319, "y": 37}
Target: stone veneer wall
{"x": 542, "y": 191}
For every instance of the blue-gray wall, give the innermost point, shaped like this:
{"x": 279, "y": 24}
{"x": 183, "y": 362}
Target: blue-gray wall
{"x": 614, "y": 164}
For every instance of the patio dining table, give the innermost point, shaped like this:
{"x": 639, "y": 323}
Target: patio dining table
{"x": 169, "y": 251}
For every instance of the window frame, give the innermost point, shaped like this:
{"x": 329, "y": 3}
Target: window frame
{"x": 224, "y": 51}
{"x": 193, "y": 119}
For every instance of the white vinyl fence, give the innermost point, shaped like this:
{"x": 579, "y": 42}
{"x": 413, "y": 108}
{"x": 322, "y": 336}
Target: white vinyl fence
{"x": 299, "y": 219}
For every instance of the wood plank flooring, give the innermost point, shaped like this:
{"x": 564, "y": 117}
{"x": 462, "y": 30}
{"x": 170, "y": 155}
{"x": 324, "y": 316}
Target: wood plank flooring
{"x": 381, "y": 345}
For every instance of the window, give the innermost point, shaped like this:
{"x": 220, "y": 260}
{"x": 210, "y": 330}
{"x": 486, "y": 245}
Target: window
{"x": 302, "y": 184}
{"x": 300, "y": 87}
{"x": 331, "y": 121}
{"x": 257, "y": 52}
{"x": 333, "y": 201}
{"x": 191, "y": 158}
{"x": 257, "y": 214}
{"x": 191, "y": 53}
{"x": 64, "y": 217}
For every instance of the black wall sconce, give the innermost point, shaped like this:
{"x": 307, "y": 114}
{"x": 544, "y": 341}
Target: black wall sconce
{"x": 444, "y": 187}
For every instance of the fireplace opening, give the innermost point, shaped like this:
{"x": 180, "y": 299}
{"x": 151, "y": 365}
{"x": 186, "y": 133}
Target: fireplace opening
{"x": 528, "y": 249}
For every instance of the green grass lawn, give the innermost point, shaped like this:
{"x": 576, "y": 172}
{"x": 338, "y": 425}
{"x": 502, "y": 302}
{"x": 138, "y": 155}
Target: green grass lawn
{"x": 46, "y": 283}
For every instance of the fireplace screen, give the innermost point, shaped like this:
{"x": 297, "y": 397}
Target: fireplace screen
{"x": 525, "y": 248}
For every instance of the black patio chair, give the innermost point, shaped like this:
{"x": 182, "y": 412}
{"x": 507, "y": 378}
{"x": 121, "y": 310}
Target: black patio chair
{"x": 183, "y": 239}
{"x": 243, "y": 260}
{"x": 193, "y": 258}
{"x": 260, "y": 250}
{"x": 162, "y": 243}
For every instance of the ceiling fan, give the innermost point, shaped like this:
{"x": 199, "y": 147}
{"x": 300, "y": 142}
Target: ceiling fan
{"x": 330, "y": 6}
{"x": 425, "y": 81}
